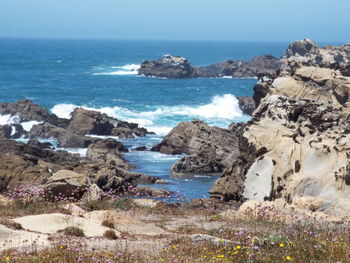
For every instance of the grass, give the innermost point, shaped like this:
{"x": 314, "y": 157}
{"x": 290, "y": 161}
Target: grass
{"x": 110, "y": 234}
{"x": 73, "y": 231}
{"x": 256, "y": 237}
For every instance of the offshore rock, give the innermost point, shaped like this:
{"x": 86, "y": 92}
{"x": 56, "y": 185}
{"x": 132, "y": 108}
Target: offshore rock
{"x": 175, "y": 67}
{"x": 211, "y": 149}
{"x": 167, "y": 67}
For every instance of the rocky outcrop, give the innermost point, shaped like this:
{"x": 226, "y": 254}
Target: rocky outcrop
{"x": 65, "y": 183}
{"x": 310, "y": 72}
{"x": 210, "y": 149}
{"x": 294, "y": 150}
{"x": 107, "y": 152}
{"x": 13, "y": 131}
{"x": 31, "y": 164}
{"x": 179, "y": 68}
{"x": 247, "y": 104}
{"x": 85, "y": 122}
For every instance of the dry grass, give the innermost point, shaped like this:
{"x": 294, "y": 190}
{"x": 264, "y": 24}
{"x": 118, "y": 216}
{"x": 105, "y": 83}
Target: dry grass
{"x": 254, "y": 239}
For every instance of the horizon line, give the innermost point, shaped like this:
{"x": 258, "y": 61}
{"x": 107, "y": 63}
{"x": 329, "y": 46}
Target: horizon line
{"x": 166, "y": 39}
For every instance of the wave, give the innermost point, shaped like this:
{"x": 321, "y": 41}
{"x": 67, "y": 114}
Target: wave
{"x": 129, "y": 69}
{"x": 221, "y": 111}
{"x": 14, "y": 119}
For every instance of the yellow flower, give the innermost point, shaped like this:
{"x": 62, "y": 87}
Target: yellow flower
{"x": 238, "y": 247}
{"x": 281, "y": 245}
{"x": 7, "y": 259}
{"x": 161, "y": 260}
{"x": 174, "y": 247}
{"x": 221, "y": 256}
{"x": 288, "y": 258}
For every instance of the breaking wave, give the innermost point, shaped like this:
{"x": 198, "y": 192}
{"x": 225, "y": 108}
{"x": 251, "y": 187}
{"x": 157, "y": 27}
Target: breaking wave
{"x": 129, "y": 69}
{"x": 221, "y": 111}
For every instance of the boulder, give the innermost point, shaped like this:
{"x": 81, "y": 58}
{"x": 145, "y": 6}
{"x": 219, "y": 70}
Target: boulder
{"x": 247, "y": 104}
{"x": 85, "y": 122}
{"x": 13, "y": 131}
{"x": 211, "y": 149}
{"x": 65, "y": 183}
{"x": 107, "y": 152}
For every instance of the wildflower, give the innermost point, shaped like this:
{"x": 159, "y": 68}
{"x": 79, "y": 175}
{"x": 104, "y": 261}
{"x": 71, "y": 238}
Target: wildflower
{"x": 281, "y": 245}
{"x": 221, "y": 256}
{"x": 288, "y": 258}
{"x": 238, "y": 247}
{"x": 161, "y": 260}
{"x": 7, "y": 259}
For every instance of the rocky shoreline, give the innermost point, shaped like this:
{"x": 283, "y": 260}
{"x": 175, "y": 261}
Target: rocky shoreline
{"x": 294, "y": 150}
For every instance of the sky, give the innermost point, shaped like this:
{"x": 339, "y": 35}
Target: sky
{"x": 239, "y": 20}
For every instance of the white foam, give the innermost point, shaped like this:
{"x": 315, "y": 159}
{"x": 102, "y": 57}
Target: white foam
{"x": 80, "y": 151}
{"x": 9, "y": 119}
{"x": 161, "y": 120}
{"x": 63, "y": 110}
{"x": 129, "y": 69}
{"x": 29, "y": 124}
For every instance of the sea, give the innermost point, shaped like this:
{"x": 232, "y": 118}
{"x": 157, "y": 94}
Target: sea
{"x": 102, "y": 75}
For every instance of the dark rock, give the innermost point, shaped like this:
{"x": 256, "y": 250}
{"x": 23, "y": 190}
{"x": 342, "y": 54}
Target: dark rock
{"x": 178, "y": 67}
{"x": 42, "y": 145}
{"x": 85, "y": 122}
{"x": 140, "y": 149}
{"x": 5, "y": 131}
{"x": 247, "y": 104}
{"x": 107, "y": 152}
{"x": 211, "y": 149}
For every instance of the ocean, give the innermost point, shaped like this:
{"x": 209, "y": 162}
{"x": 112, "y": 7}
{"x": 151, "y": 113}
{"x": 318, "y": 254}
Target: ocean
{"x": 102, "y": 75}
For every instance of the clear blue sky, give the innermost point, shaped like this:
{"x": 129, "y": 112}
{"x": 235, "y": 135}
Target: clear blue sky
{"x": 285, "y": 20}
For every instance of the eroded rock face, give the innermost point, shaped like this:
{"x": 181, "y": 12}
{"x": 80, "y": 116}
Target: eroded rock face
{"x": 293, "y": 150}
{"x": 211, "y": 149}
{"x": 310, "y": 72}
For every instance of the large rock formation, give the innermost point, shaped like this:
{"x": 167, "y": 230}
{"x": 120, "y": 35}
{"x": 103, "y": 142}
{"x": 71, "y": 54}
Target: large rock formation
{"x": 296, "y": 150}
{"x": 210, "y": 149}
{"x": 310, "y": 72}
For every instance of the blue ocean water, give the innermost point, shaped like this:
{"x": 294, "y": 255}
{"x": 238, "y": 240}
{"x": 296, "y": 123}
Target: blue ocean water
{"x": 101, "y": 74}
